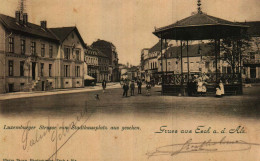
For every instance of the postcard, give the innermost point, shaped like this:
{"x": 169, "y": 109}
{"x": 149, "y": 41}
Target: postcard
{"x": 139, "y": 80}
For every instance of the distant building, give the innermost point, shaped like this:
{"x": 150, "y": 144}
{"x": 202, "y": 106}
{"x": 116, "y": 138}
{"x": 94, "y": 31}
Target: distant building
{"x": 97, "y": 64}
{"x": 109, "y": 50}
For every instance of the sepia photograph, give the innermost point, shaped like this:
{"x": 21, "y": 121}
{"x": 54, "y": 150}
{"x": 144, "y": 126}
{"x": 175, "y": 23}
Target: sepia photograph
{"x": 138, "y": 80}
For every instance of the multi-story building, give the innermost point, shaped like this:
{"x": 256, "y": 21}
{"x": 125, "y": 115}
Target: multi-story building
{"x": 251, "y": 65}
{"x": 151, "y": 64}
{"x": 70, "y": 57}
{"x": 97, "y": 64}
{"x": 91, "y": 60}
{"x": 34, "y": 57}
{"x": 200, "y": 59}
{"x": 103, "y": 66}
{"x": 109, "y": 50}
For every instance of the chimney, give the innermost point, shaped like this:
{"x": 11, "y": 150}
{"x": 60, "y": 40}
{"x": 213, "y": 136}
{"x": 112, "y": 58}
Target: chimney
{"x": 25, "y": 19}
{"x": 17, "y": 16}
{"x": 44, "y": 24}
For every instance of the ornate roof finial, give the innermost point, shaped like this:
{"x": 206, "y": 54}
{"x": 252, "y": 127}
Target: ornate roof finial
{"x": 199, "y": 8}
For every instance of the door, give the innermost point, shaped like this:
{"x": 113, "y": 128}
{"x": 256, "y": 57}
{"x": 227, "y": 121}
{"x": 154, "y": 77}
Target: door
{"x": 33, "y": 70}
{"x": 11, "y": 87}
{"x": 43, "y": 85}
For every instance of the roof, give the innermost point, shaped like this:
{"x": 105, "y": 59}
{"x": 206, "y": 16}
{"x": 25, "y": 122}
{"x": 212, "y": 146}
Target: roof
{"x": 207, "y": 49}
{"x": 32, "y": 29}
{"x": 97, "y": 51}
{"x": 198, "y": 27}
{"x": 200, "y": 19}
{"x": 103, "y": 43}
{"x": 157, "y": 47}
{"x": 63, "y": 32}
{"x": 254, "y": 28}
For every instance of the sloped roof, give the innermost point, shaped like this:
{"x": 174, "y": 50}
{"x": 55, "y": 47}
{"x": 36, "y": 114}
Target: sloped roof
{"x": 207, "y": 49}
{"x": 63, "y": 32}
{"x": 254, "y": 27}
{"x": 157, "y": 47}
{"x": 198, "y": 27}
{"x": 200, "y": 19}
{"x": 32, "y": 29}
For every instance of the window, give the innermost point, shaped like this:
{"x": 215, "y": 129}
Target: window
{"x": 77, "y": 55}
{"x": 42, "y": 69}
{"x": 224, "y": 70}
{"x": 11, "y": 44}
{"x": 77, "y": 72}
{"x": 43, "y": 50}
{"x": 21, "y": 68}
{"x": 229, "y": 70}
{"x": 66, "y": 70}
{"x": 33, "y": 48}
{"x": 11, "y": 68}
{"x": 51, "y": 51}
{"x": 23, "y": 46}
{"x": 207, "y": 65}
{"x": 67, "y": 53}
{"x": 50, "y": 67}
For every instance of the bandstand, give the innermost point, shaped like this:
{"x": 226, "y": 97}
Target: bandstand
{"x": 201, "y": 26}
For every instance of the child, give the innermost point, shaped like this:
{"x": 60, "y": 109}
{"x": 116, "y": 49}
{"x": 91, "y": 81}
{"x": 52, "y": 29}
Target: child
{"x": 218, "y": 92}
{"x": 148, "y": 89}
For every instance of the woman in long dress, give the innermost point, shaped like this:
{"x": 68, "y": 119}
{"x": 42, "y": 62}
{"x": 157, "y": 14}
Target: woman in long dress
{"x": 221, "y": 86}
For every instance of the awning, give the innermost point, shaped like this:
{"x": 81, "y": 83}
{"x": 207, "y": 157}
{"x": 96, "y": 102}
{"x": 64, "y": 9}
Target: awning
{"x": 87, "y": 77}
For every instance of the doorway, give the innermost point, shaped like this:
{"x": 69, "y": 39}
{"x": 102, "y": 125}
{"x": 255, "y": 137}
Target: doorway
{"x": 43, "y": 85}
{"x": 11, "y": 87}
{"x": 33, "y": 70}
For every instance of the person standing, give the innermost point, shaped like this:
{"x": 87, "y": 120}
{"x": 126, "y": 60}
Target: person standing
{"x": 148, "y": 89}
{"x": 132, "y": 86}
{"x": 125, "y": 88}
{"x": 139, "y": 84}
{"x": 104, "y": 85}
{"x": 221, "y": 86}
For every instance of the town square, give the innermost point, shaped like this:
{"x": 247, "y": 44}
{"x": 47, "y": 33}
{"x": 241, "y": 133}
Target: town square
{"x": 98, "y": 80}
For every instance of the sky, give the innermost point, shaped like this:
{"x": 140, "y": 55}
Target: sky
{"x": 128, "y": 24}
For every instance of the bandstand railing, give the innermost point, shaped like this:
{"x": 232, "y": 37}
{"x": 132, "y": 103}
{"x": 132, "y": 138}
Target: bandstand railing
{"x": 176, "y": 84}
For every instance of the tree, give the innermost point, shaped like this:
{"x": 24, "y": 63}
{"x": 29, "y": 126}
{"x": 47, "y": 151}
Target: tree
{"x": 234, "y": 51}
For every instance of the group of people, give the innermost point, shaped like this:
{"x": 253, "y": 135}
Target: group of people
{"x": 198, "y": 86}
{"x": 132, "y": 88}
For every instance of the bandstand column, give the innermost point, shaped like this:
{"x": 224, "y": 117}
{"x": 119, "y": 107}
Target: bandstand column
{"x": 162, "y": 66}
{"x": 188, "y": 60}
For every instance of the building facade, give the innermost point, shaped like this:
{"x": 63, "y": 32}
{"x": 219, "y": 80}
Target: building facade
{"x": 33, "y": 57}
{"x": 109, "y": 50}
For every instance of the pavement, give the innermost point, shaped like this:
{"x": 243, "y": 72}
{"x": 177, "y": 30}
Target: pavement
{"x": 15, "y": 95}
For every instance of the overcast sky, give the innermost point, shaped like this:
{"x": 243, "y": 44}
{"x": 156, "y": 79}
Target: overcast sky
{"x": 128, "y": 24}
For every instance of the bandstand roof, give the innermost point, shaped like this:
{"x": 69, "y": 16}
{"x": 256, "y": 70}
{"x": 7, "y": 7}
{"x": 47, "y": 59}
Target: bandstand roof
{"x": 200, "y": 26}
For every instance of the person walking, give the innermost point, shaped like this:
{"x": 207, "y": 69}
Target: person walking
{"x": 104, "y": 85}
{"x": 132, "y": 86}
{"x": 139, "y": 84}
